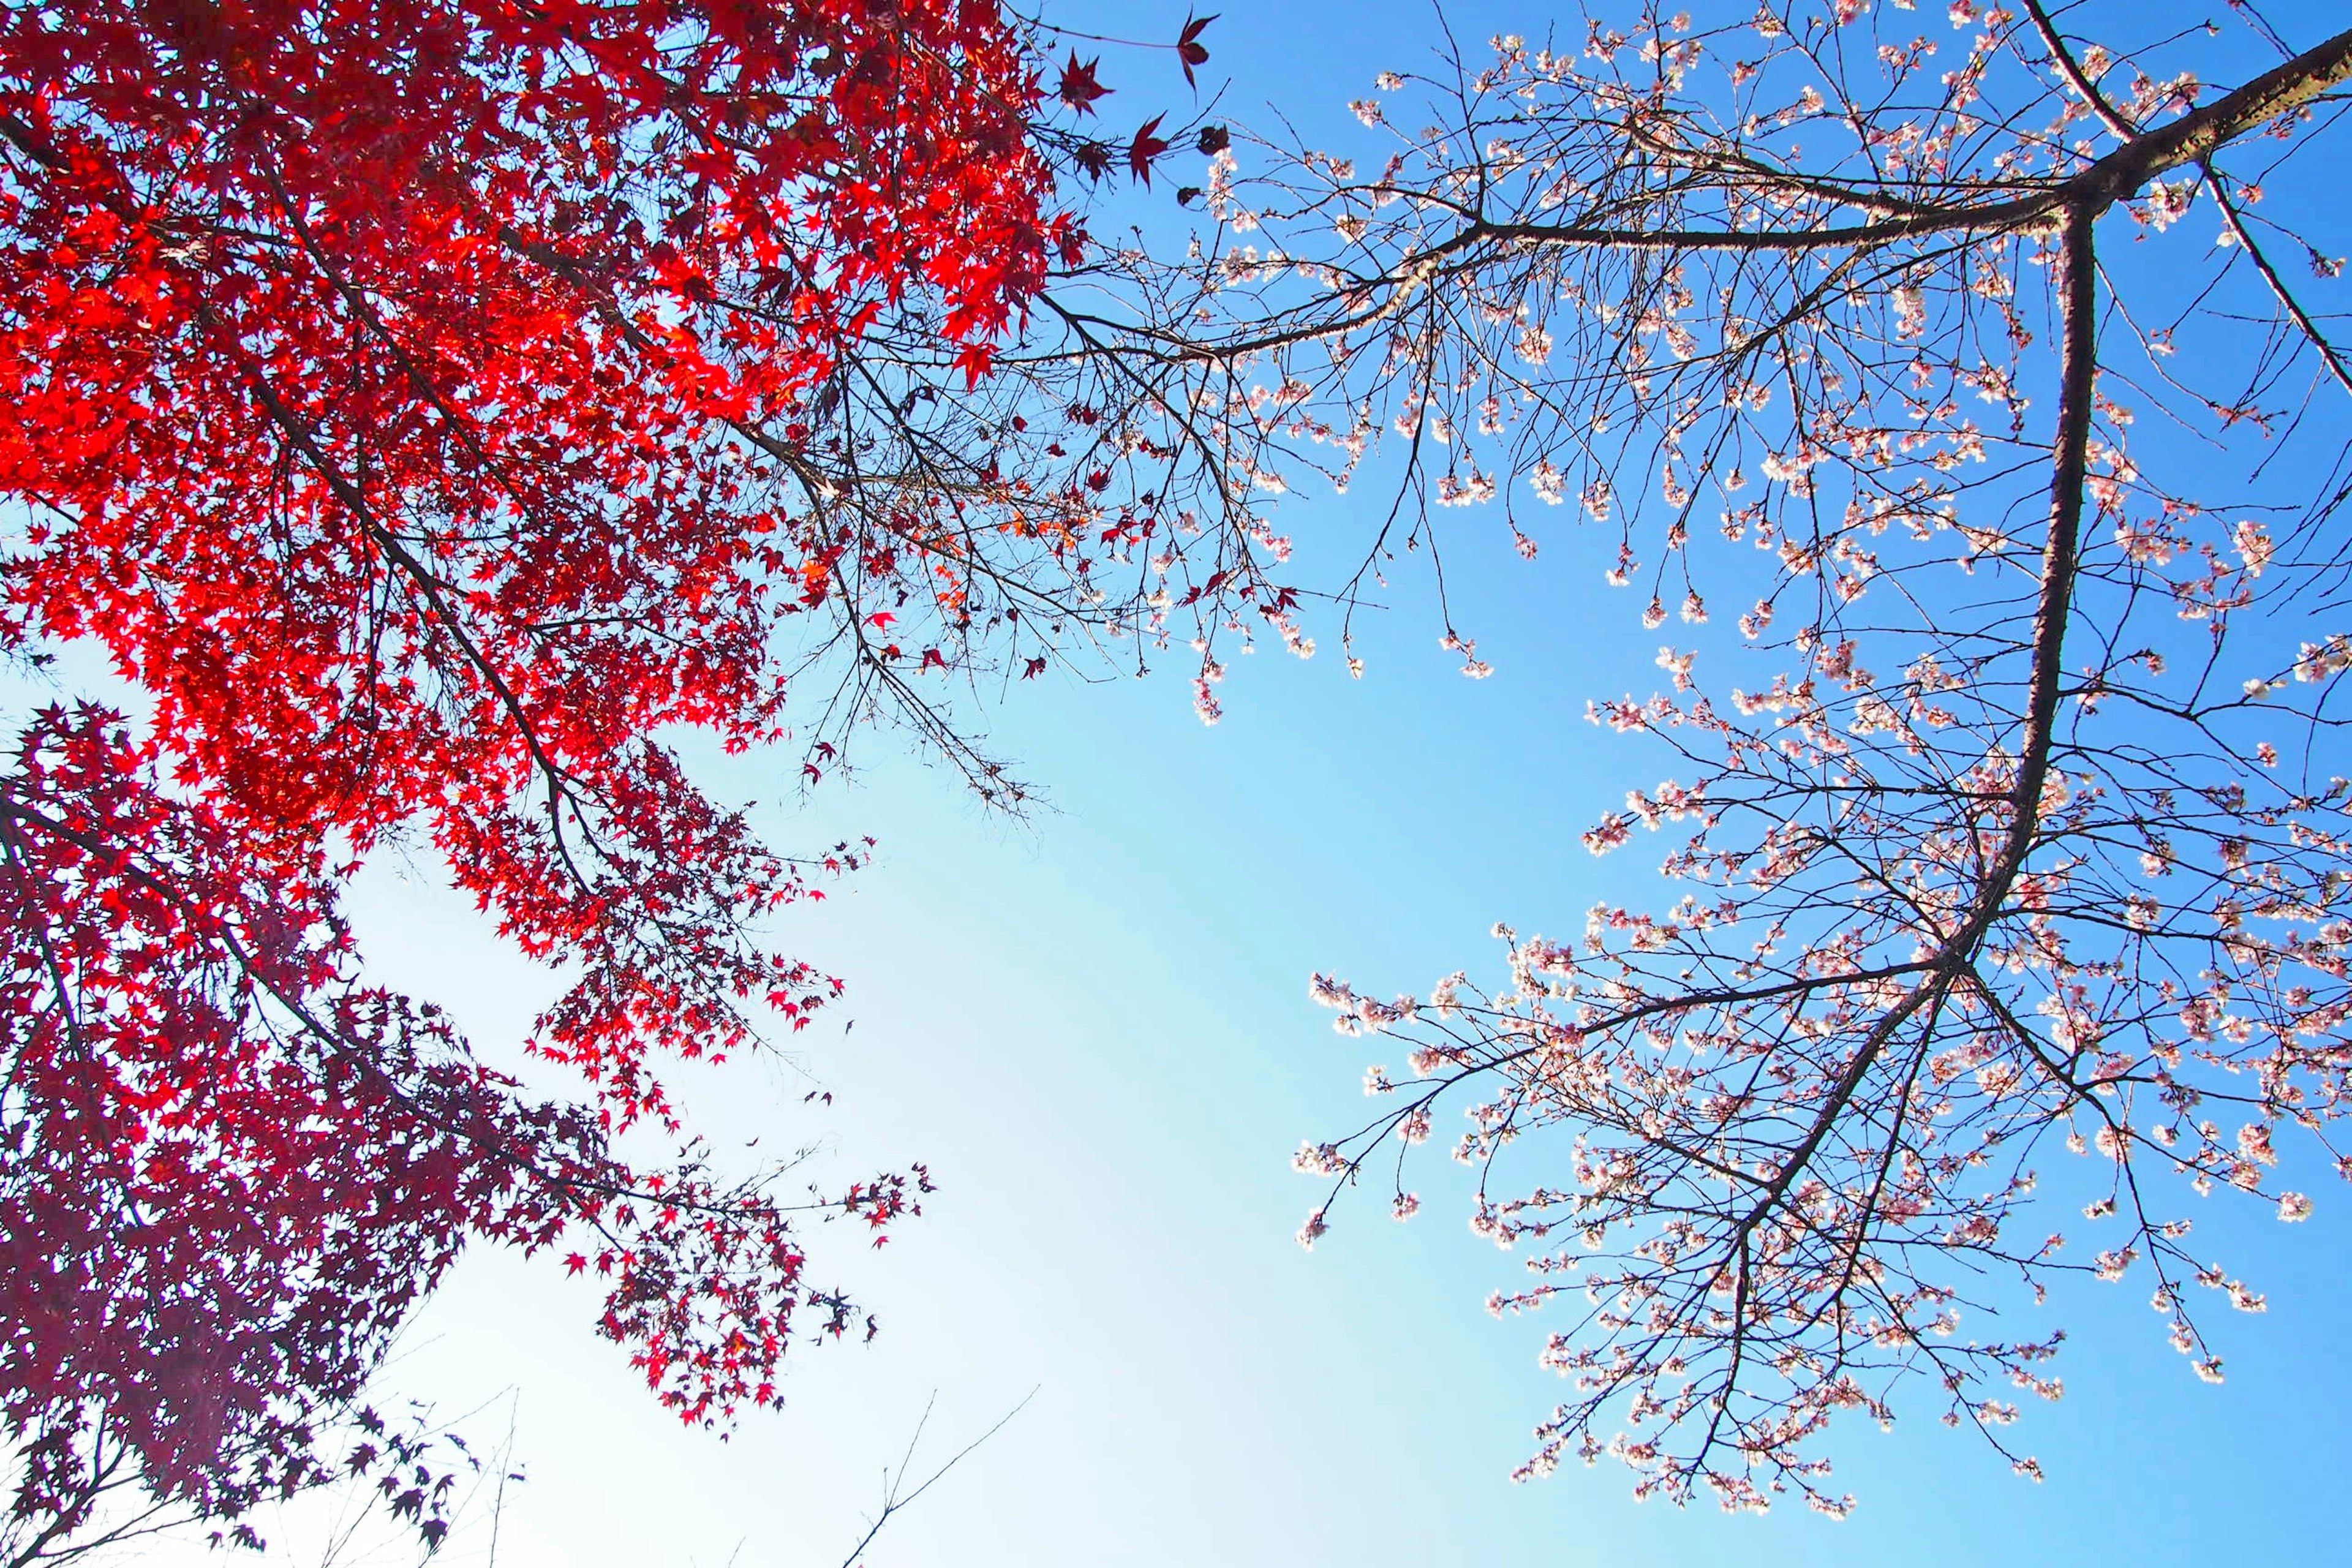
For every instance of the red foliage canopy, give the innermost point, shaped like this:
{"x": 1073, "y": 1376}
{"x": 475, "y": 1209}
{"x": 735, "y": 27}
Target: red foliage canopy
{"x": 404, "y": 393}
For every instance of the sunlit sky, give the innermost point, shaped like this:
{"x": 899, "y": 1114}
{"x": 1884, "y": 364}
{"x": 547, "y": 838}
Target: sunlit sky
{"x": 1093, "y": 1027}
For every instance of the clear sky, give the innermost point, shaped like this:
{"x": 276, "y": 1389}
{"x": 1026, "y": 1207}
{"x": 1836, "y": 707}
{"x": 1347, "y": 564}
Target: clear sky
{"x": 1095, "y": 1028}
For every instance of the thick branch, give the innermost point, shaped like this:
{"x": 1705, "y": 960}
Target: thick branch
{"x": 2060, "y": 554}
{"x": 2122, "y": 174}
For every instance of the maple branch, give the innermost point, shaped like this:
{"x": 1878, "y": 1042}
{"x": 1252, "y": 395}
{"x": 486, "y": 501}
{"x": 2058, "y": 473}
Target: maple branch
{"x": 892, "y": 1502}
{"x": 15, "y": 815}
{"x": 560, "y": 781}
{"x": 107, "y": 1475}
{"x": 23, "y": 138}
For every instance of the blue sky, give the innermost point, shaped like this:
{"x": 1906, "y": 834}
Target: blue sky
{"x": 1095, "y": 1030}
{"x": 1094, "y": 1026}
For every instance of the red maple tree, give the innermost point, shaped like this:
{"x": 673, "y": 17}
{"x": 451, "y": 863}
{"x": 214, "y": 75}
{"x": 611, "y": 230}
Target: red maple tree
{"x": 431, "y": 404}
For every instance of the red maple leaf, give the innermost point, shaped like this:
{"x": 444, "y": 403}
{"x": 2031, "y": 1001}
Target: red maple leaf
{"x": 1145, "y": 147}
{"x": 1189, "y": 49}
{"x": 1080, "y": 89}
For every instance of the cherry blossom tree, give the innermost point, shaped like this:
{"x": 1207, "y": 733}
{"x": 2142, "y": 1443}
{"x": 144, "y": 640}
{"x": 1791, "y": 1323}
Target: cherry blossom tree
{"x": 2005, "y": 828}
